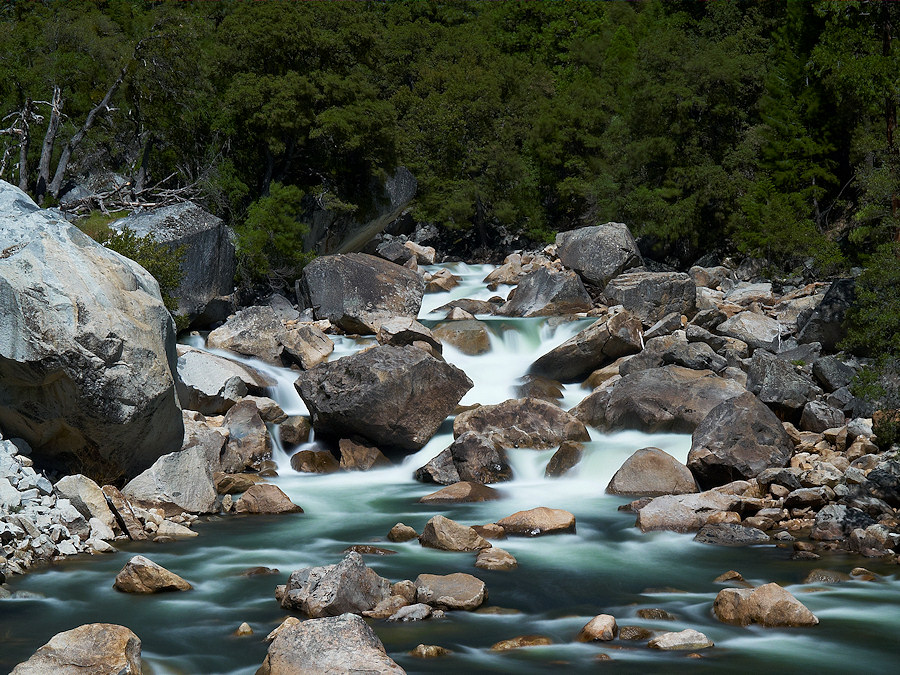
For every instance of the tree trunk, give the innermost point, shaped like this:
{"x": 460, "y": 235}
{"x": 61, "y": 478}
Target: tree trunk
{"x": 63, "y": 163}
{"x": 141, "y": 176}
{"x": 49, "y": 139}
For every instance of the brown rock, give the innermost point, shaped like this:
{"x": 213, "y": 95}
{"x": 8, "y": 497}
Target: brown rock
{"x": 314, "y": 461}
{"x": 306, "y": 345}
{"x": 526, "y": 423}
{"x": 332, "y": 590}
{"x": 490, "y": 531}
{"x": 294, "y": 430}
{"x": 92, "y": 649}
{"x": 655, "y": 614}
{"x": 683, "y": 513}
{"x": 429, "y": 652}
{"x": 538, "y": 522}
{"x": 462, "y": 492}
{"x": 521, "y": 641}
{"x": 401, "y": 533}
{"x": 265, "y": 498}
{"x": 495, "y": 559}
{"x": 142, "y": 575}
{"x": 448, "y": 535}
{"x": 248, "y": 441}
{"x": 564, "y": 460}
{"x": 234, "y": 483}
{"x": 768, "y": 605}
{"x": 652, "y": 472}
{"x": 387, "y": 607}
{"x": 123, "y": 513}
{"x": 361, "y": 457}
{"x": 451, "y": 591}
{"x": 634, "y": 633}
{"x": 601, "y": 628}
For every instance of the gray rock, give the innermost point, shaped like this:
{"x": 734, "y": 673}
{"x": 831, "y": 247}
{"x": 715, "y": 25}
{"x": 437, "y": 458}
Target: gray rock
{"x": 652, "y": 295}
{"x": 440, "y": 469}
{"x": 666, "y": 325}
{"x": 254, "y": 331}
{"x": 89, "y": 385}
{"x": 417, "y": 612}
{"x": 757, "y": 330}
{"x": 780, "y": 384}
{"x": 86, "y": 496}
{"x": 826, "y": 323}
{"x": 209, "y": 264}
{"x": 730, "y": 534}
{"x": 331, "y": 590}
{"x": 211, "y": 384}
{"x": 602, "y": 342}
{"x": 818, "y": 417}
{"x": 340, "y": 644}
{"x": 357, "y": 291}
{"x": 306, "y": 345}
{"x": 181, "y": 478}
{"x": 684, "y": 513}
{"x": 87, "y": 650}
{"x": 651, "y": 472}
{"x": 248, "y": 443}
{"x": 391, "y": 396}
{"x": 523, "y": 422}
{"x": 598, "y": 253}
{"x": 836, "y": 522}
{"x": 738, "y": 439}
{"x": 547, "y": 292}
{"x": 685, "y": 639}
{"x": 674, "y": 349}
{"x": 451, "y": 591}
{"x": 832, "y": 373}
{"x": 448, "y": 535}
{"x": 479, "y": 459}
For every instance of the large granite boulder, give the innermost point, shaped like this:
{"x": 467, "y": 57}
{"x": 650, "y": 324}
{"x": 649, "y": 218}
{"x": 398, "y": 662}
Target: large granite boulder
{"x": 209, "y": 263}
{"x": 339, "y": 644}
{"x": 87, "y": 650}
{"x": 757, "y": 330}
{"x": 768, "y": 605}
{"x": 183, "y": 479}
{"x": 211, "y": 384}
{"x": 87, "y": 348}
{"x": 391, "y": 396}
{"x": 684, "y": 513}
{"x": 603, "y": 341}
{"x": 651, "y": 472}
{"x": 448, "y": 535}
{"x": 548, "y": 292}
{"x": 780, "y": 384}
{"x": 471, "y": 457}
{"x": 522, "y": 422}
{"x": 598, "y": 253}
{"x": 670, "y": 398}
{"x": 331, "y": 590}
{"x": 254, "y": 331}
{"x": 357, "y": 291}
{"x": 451, "y": 591}
{"x": 737, "y": 440}
{"x": 652, "y": 295}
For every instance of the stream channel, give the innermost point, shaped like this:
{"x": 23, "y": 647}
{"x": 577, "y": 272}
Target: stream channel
{"x": 561, "y": 582}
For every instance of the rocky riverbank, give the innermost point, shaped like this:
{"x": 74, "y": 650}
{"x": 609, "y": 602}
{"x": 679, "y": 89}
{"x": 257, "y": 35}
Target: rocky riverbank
{"x": 782, "y": 452}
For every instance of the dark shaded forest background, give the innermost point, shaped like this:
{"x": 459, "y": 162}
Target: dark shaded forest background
{"x": 762, "y": 129}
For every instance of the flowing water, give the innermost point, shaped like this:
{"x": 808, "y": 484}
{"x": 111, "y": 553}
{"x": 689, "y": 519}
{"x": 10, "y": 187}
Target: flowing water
{"x": 608, "y": 566}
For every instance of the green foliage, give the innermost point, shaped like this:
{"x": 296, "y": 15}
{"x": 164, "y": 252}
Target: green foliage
{"x": 874, "y": 323}
{"x": 96, "y": 224}
{"x": 270, "y": 239}
{"x": 161, "y": 261}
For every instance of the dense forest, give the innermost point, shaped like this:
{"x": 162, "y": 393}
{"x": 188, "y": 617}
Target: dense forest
{"x": 763, "y": 129}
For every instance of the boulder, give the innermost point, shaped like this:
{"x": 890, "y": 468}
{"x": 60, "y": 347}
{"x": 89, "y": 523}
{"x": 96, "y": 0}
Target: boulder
{"x": 451, "y": 591}
{"x": 463, "y": 492}
{"x": 836, "y": 522}
{"x": 391, "y": 396}
{"x": 339, "y": 644}
{"x": 306, "y": 345}
{"x": 124, "y": 514}
{"x": 757, "y": 330}
{"x": 235, "y": 483}
{"x": 142, "y": 575}
{"x": 683, "y": 513}
{"x": 652, "y": 295}
{"x": 650, "y": 472}
{"x": 671, "y": 398}
{"x": 86, "y": 496}
{"x": 538, "y": 386}
{"x": 603, "y": 341}
{"x": 249, "y": 442}
{"x": 361, "y": 457}
{"x": 448, "y": 535}
{"x": 730, "y": 534}
{"x": 825, "y": 324}
{"x": 601, "y": 628}
{"x": 423, "y": 651}
{"x": 818, "y": 416}
{"x": 832, "y": 373}
{"x": 495, "y": 559}
{"x": 401, "y": 532}
{"x": 468, "y": 336}
{"x": 538, "y": 522}
{"x": 684, "y": 639}
{"x": 209, "y": 264}
{"x": 440, "y": 469}
{"x": 479, "y": 459}
{"x": 769, "y": 605}
{"x": 314, "y": 461}
{"x": 564, "y": 459}
{"x": 294, "y": 430}
{"x": 265, "y": 498}
{"x": 674, "y": 349}
{"x": 184, "y": 479}
{"x": 417, "y": 612}
{"x": 400, "y": 331}
{"x": 331, "y": 590}
{"x": 521, "y": 641}
{"x": 356, "y": 291}
{"x": 211, "y": 384}
{"x": 780, "y": 384}
{"x": 87, "y": 348}
{"x": 738, "y": 439}
{"x": 90, "y": 649}
{"x": 598, "y": 253}
{"x": 254, "y": 331}
{"x": 548, "y": 292}
{"x": 524, "y": 422}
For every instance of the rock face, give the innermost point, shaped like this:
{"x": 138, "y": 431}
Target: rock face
{"x": 652, "y": 295}
{"x": 651, "y": 472}
{"x": 603, "y": 341}
{"x": 340, "y": 644}
{"x": 524, "y": 422}
{"x": 598, "y": 253}
{"x": 671, "y": 398}
{"x": 391, "y": 396}
{"x": 331, "y": 590}
{"x": 209, "y": 264}
{"x": 87, "y": 650}
{"x": 451, "y": 591}
{"x": 768, "y": 605}
{"x": 357, "y": 291}
{"x": 87, "y": 349}
{"x": 142, "y": 575}
{"x": 547, "y": 292}
{"x": 737, "y": 440}
{"x": 538, "y": 522}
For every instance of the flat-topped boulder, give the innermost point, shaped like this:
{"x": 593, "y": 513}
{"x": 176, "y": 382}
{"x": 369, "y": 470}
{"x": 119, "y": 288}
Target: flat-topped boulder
{"x": 602, "y": 342}
{"x": 211, "y": 384}
{"x": 769, "y": 605}
{"x": 738, "y": 439}
{"x": 451, "y": 591}
{"x": 89, "y": 385}
{"x": 340, "y": 644}
{"x": 524, "y": 422}
{"x": 538, "y": 522}
{"x": 87, "y": 650}
{"x": 356, "y": 291}
{"x": 684, "y": 639}
{"x": 461, "y": 492}
{"x": 684, "y": 513}
{"x": 652, "y": 295}
{"x": 390, "y": 396}
{"x": 651, "y": 472}
{"x": 598, "y": 253}
{"x": 757, "y": 330}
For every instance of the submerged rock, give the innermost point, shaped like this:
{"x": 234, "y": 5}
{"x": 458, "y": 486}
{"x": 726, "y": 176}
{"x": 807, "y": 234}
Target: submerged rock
{"x": 339, "y": 644}
{"x": 87, "y": 348}
{"x": 391, "y": 396}
{"x": 91, "y": 649}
